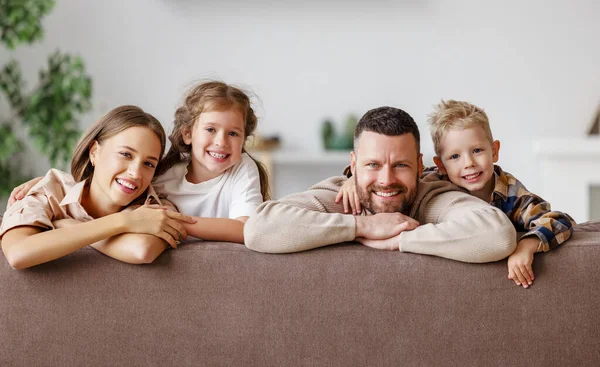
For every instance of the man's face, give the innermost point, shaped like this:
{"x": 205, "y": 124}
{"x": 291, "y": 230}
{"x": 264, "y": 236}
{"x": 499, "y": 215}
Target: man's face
{"x": 386, "y": 171}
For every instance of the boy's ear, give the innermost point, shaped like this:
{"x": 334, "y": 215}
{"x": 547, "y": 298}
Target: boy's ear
{"x": 353, "y": 163}
{"x": 495, "y": 150}
{"x": 440, "y": 165}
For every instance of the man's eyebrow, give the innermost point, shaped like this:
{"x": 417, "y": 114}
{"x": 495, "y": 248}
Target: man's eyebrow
{"x": 135, "y": 151}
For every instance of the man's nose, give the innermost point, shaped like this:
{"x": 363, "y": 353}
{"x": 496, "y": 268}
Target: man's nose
{"x": 385, "y": 177}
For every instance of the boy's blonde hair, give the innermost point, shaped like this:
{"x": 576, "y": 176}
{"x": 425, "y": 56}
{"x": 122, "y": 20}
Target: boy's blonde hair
{"x": 453, "y": 114}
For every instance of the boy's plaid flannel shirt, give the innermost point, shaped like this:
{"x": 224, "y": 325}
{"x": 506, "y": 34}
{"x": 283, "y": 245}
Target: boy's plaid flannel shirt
{"x": 528, "y": 212}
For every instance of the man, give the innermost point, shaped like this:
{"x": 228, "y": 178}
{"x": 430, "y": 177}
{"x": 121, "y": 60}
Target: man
{"x": 386, "y": 165}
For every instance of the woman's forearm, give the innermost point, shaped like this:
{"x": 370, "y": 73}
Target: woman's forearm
{"x": 217, "y": 229}
{"x": 131, "y": 248}
{"x": 27, "y": 246}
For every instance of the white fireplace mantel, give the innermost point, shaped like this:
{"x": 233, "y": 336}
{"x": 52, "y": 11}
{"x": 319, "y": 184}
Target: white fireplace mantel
{"x": 569, "y": 167}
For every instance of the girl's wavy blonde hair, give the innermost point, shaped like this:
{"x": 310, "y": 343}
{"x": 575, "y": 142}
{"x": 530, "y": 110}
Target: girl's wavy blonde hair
{"x": 206, "y": 97}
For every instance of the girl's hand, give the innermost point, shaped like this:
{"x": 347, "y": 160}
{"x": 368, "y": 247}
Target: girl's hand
{"x": 519, "y": 263}
{"x": 156, "y": 220}
{"x": 20, "y": 191}
{"x": 349, "y": 197}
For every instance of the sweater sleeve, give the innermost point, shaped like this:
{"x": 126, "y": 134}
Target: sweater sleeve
{"x": 461, "y": 227}
{"x": 299, "y": 222}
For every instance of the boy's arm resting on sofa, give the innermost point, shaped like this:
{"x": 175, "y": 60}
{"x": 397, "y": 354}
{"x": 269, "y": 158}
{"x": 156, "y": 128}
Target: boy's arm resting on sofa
{"x": 461, "y": 227}
{"x": 534, "y": 214}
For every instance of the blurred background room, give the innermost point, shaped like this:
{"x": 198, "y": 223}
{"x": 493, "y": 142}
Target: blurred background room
{"x": 534, "y": 66}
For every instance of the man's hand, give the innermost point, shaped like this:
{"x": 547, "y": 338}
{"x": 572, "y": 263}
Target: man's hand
{"x": 391, "y": 244}
{"x": 519, "y": 263}
{"x": 383, "y": 225}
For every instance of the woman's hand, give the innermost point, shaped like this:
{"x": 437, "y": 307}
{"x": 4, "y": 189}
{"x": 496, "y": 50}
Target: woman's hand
{"x": 20, "y": 191}
{"x": 156, "y": 220}
{"x": 349, "y": 197}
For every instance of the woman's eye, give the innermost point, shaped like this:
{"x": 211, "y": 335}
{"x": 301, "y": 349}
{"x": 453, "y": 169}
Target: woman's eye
{"x": 125, "y": 154}
{"x": 149, "y": 164}
{"x": 233, "y": 133}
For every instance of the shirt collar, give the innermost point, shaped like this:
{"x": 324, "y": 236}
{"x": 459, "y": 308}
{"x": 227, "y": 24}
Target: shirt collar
{"x": 151, "y": 196}
{"x": 73, "y": 194}
{"x": 501, "y": 187}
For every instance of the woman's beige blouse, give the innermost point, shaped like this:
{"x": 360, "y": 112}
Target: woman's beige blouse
{"x": 56, "y": 196}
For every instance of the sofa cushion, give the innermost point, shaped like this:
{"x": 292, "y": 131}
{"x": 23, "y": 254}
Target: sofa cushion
{"x": 590, "y": 226}
{"x": 222, "y": 304}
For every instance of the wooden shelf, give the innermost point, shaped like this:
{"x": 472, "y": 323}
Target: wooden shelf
{"x": 304, "y": 158}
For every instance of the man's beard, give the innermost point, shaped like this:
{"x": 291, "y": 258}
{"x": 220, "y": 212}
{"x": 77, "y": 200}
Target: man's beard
{"x": 366, "y": 202}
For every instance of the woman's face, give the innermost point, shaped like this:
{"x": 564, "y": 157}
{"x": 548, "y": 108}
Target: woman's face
{"x": 124, "y": 166}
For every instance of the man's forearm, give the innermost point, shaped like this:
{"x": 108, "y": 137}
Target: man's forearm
{"x": 463, "y": 228}
{"x": 279, "y": 227}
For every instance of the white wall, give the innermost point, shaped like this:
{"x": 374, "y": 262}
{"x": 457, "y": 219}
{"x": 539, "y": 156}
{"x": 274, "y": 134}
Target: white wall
{"x": 533, "y": 65}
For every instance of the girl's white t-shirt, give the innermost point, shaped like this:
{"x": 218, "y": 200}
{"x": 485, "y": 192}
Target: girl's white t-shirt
{"x": 233, "y": 194}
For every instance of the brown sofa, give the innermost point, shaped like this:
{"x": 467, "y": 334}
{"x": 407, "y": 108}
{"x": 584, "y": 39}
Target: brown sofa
{"x": 222, "y": 304}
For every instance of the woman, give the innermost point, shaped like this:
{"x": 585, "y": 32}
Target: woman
{"x": 111, "y": 169}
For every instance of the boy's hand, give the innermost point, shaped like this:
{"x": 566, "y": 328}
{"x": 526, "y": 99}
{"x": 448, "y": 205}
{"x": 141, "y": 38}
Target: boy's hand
{"x": 349, "y": 197}
{"x": 519, "y": 263}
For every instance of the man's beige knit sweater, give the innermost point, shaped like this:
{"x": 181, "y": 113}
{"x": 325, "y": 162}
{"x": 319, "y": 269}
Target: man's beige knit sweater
{"x": 454, "y": 224}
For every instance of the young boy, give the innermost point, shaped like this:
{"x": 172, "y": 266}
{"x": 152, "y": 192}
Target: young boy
{"x": 465, "y": 154}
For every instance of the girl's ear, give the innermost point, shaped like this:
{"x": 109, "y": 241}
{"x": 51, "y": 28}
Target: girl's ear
{"x": 440, "y": 165}
{"x": 187, "y": 136}
{"x": 94, "y": 152}
{"x": 495, "y": 150}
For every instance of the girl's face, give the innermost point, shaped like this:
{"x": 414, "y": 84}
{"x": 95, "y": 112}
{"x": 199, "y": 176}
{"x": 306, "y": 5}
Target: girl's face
{"x": 124, "y": 166}
{"x": 217, "y": 139}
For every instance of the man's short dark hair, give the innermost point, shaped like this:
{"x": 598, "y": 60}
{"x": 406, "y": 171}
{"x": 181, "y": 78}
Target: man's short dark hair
{"x": 388, "y": 121}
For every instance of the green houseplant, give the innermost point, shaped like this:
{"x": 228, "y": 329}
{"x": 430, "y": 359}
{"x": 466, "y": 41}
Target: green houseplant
{"x": 49, "y": 111}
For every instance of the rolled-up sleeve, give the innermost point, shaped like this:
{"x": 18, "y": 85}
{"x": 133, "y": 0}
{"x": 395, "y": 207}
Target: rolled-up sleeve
{"x": 33, "y": 210}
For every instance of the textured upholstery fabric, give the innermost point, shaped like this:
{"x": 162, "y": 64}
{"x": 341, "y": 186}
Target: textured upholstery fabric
{"x": 222, "y": 304}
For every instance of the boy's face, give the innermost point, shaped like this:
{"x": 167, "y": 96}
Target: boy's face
{"x": 468, "y": 158}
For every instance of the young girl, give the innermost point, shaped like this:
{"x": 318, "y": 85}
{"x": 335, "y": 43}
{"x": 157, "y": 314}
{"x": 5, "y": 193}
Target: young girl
{"x": 111, "y": 168}
{"x": 207, "y": 173}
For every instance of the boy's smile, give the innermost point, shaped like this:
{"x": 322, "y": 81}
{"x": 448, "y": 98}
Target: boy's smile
{"x": 468, "y": 158}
